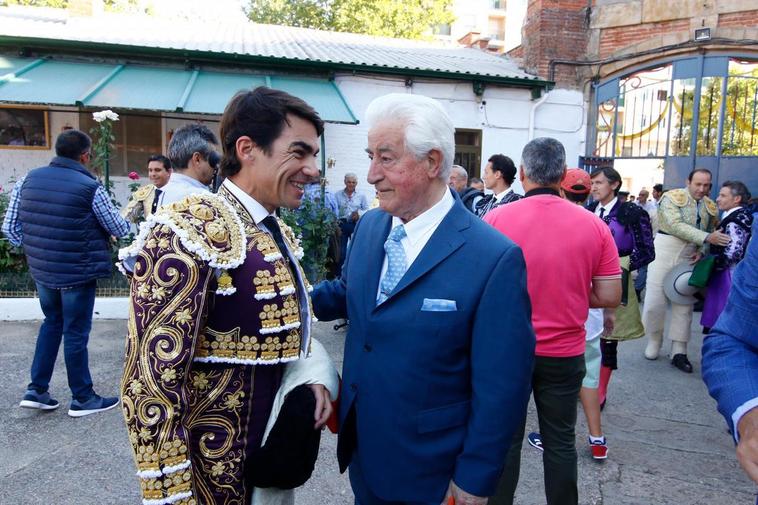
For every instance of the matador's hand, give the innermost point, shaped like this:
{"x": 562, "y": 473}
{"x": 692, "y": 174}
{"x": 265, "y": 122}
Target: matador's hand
{"x": 323, "y": 405}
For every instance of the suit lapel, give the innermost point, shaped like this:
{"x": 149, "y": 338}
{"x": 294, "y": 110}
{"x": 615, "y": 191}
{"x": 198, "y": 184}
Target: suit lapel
{"x": 445, "y": 240}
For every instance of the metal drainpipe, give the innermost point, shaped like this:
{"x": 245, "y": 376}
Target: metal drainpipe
{"x": 532, "y": 114}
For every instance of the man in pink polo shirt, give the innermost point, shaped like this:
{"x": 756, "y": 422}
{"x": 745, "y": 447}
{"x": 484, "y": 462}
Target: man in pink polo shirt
{"x": 572, "y": 264}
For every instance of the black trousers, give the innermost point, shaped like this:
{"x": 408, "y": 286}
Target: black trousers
{"x": 555, "y": 384}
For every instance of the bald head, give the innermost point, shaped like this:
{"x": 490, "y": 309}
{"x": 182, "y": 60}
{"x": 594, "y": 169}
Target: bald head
{"x": 458, "y": 178}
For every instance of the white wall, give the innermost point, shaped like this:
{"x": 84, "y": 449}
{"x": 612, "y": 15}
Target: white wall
{"x": 502, "y": 114}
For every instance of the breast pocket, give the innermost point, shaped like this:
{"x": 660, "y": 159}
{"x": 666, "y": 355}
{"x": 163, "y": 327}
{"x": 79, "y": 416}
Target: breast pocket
{"x": 443, "y": 418}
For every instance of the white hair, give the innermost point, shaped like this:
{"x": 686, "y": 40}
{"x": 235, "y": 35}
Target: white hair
{"x": 427, "y": 125}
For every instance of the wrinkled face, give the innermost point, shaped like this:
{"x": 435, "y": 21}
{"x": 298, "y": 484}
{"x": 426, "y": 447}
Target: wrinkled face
{"x": 457, "y": 182}
{"x": 490, "y": 176}
{"x": 350, "y": 184}
{"x": 642, "y": 197}
{"x": 727, "y": 201}
{"x": 402, "y": 182}
{"x": 602, "y": 189}
{"x": 699, "y": 186}
{"x": 158, "y": 174}
{"x": 280, "y": 176}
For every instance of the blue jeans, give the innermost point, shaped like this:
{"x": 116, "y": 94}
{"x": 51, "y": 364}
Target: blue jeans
{"x": 68, "y": 315}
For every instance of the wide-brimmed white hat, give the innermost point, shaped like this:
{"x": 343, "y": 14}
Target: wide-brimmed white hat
{"x": 676, "y": 286}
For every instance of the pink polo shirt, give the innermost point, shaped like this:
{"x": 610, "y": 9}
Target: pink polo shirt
{"x": 565, "y": 248}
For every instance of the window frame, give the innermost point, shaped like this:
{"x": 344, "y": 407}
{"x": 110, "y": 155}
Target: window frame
{"x": 46, "y": 116}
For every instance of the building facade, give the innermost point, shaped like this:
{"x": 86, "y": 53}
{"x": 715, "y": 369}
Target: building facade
{"x": 669, "y": 86}
{"x": 57, "y": 68}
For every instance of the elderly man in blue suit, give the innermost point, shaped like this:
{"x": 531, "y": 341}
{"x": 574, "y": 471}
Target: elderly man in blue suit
{"x": 730, "y": 360}
{"x": 440, "y": 350}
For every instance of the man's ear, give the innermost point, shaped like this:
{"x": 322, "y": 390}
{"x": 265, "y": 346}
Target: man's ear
{"x": 521, "y": 175}
{"x": 435, "y": 163}
{"x": 196, "y": 158}
{"x": 245, "y": 149}
{"x": 565, "y": 171}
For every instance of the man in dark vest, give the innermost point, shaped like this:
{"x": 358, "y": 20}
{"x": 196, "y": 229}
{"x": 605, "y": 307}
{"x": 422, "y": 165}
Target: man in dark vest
{"x": 63, "y": 218}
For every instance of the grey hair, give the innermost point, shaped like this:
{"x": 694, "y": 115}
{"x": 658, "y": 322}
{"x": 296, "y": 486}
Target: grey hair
{"x": 187, "y": 140}
{"x": 459, "y": 171}
{"x": 350, "y": 175}
{"x": 427, "y": 125}
{"x": 544, "y": 161}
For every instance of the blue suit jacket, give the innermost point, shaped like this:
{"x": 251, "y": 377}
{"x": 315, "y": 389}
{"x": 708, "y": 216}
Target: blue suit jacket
{"x": 433, "y": 395}
{"x": 730, "y": 351}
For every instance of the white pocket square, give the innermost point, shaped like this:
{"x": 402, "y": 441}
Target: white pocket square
{"x": 438, "y": 305}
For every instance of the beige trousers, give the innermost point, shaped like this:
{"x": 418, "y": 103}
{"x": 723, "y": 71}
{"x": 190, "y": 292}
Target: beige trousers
{"x": 669, "y": 252}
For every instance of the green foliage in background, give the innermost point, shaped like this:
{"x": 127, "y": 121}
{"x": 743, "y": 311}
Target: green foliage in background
{"x": 315, "y": 225}
{"x": 408, "y": 19}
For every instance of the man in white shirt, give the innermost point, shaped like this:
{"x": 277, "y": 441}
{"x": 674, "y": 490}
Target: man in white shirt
{"x": 499, "y": 174}
{"x": 432, "y": 392}
{"x": 192, "y": 152}
{"x": 220, "y": 318}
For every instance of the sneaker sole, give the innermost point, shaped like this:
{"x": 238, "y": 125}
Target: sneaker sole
{"x": 538, "y": 447}
{"x": 82, "y": 413}
{"x": 28, "y": 404}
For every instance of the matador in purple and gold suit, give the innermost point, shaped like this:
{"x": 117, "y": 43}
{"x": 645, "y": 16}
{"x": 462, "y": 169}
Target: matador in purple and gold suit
{"x": 217, "y": 309}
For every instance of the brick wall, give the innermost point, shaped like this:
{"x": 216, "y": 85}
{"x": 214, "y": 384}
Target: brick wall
{"x": 613, "y": 40}
{"x": 563, "y": 29}
{"x": 554, "y": 30}
{"x": 739, "y": 19}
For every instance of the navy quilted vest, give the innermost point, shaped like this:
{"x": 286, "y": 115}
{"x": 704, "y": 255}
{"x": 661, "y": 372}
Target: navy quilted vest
{"x": 64, "y": 243}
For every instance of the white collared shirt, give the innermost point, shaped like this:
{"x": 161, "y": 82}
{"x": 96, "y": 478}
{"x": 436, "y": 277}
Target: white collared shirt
{"x": 258, "y": 212}
{"x": 419, "y": 230}
{"x": 607, "y": 207}
{"x": 500, "y": 196}
{"x": 727, "y": 212}
{"x": 179, "y": 186}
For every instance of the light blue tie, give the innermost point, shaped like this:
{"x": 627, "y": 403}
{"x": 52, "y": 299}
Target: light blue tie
{"x": 397, "y": 263}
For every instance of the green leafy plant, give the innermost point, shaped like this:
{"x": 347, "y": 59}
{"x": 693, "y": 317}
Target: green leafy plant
{"x": 315, "y": 225}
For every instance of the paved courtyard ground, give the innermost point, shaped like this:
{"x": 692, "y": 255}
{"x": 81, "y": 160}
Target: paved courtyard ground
{"x": 668, "y": 445}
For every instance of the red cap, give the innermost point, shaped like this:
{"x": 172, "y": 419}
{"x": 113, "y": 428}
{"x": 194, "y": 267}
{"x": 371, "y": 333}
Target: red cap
{"x": 577, "y": 181}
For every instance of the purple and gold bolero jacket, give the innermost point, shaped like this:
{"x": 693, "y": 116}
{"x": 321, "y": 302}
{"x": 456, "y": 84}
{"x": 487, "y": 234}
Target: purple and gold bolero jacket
{"x": 211, "y": 295}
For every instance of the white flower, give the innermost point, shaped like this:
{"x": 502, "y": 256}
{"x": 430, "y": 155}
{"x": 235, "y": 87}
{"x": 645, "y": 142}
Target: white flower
{"x": 103, "y": 115}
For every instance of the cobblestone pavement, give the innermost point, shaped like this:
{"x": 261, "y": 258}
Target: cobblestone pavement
{"x": 667, "y": 443}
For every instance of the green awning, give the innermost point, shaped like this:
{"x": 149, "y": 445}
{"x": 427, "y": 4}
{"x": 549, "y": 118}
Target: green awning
{"x": 153, "y": 88}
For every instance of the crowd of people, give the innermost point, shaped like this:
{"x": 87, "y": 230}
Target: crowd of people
{"x": 225, "y": 390}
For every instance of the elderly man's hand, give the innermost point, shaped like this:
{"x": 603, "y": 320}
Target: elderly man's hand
{"x": 462, "y": 497}
{"x": 747, "y": 449}
{"x": 323, "y": 405}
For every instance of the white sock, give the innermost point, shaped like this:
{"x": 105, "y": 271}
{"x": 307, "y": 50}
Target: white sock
{"x": 678, "y": 348}
{"x": 600, "y": 439}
